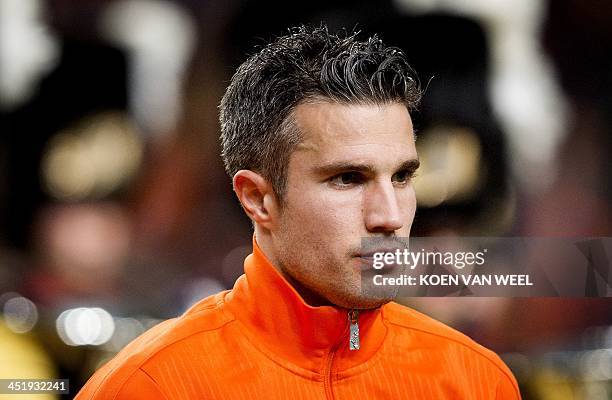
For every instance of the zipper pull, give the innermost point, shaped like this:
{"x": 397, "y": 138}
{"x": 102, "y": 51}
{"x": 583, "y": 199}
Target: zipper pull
{"x": 353, "y": 315}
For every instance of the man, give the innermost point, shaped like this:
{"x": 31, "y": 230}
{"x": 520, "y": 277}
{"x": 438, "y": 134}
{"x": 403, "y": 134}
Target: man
{"x": 317, "y": 136}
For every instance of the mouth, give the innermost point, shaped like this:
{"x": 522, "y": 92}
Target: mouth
{"x": 381, "y": 256}
{"x": 369, "y": 254}
{"x": 368, "y": 251}
{"x": 367, "y": 259}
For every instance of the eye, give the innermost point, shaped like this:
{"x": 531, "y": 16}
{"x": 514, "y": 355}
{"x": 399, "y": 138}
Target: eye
{"x": 347, "y": 179}
{"x": 403, "y": 177}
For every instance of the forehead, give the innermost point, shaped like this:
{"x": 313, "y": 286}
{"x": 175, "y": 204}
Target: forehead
{"x": 350, "y": 132}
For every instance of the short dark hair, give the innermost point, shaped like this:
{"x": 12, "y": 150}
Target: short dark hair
{"x": 257, "y": 129}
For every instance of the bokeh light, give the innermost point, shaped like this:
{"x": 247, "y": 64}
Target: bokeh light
{"x": 20, "y": 313}
{"x": 93, "y": 158}
{"x": 85, "y": 326}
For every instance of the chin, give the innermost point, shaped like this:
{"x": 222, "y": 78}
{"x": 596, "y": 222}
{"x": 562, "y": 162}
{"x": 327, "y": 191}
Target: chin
{"x": 360, "y": 302}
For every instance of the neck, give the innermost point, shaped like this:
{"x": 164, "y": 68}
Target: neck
{"x": 264, "y": 241}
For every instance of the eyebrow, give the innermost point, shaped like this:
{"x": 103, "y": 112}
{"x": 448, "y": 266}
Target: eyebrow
{"x": 337, "y": 167}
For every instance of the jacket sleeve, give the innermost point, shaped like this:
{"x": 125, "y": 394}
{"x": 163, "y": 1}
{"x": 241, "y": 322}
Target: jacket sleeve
{"x": 139, "y": 386}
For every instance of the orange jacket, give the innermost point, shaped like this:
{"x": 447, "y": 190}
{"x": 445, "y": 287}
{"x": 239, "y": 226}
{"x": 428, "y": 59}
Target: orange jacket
{"x": 261, "y": 341}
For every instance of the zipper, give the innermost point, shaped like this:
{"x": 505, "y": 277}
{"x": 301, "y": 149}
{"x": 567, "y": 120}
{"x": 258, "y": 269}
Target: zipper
{"x": 353, "y": 317}
{"x": 353, "y": 323}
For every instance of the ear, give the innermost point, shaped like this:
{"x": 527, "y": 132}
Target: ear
{"x": 257, "y": 197}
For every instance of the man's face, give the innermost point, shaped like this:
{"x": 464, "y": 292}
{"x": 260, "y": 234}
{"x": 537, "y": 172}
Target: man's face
{"x": 350, "y": 178}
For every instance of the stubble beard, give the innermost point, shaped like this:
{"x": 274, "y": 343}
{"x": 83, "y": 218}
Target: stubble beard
{"x": 317, "y": 286}
{"x": 316, "y": 277}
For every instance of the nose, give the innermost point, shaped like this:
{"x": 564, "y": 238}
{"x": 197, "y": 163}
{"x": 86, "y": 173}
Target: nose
{"x": 381, "y": 209}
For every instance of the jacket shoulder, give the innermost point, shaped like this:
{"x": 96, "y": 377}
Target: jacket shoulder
{"x": 423, "y": 325}
{"x": 432, "y": 333}
{"x": 116, "y": 376}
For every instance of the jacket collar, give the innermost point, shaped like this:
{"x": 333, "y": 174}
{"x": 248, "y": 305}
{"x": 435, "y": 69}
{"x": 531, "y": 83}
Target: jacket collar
{"x": 278, "y": 320}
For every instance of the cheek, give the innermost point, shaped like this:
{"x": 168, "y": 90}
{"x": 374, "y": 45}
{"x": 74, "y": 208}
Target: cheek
{"x": 316, "y": 205}
{"x": 317, "y": 218}
{"x": 327, "y": 221}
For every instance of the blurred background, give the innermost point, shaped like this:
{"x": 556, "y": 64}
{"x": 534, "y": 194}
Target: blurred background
{"x": 116, "y": 213}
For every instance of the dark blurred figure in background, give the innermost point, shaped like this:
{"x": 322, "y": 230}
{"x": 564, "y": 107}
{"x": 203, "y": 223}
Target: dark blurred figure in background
{"x": 578, "y": 36}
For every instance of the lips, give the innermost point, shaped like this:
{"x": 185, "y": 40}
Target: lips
{"x": 370, "y": 253}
